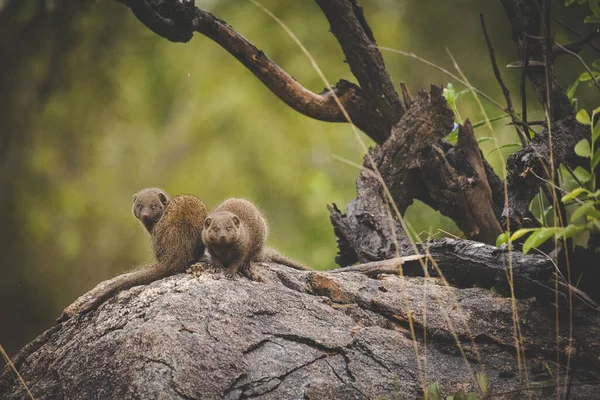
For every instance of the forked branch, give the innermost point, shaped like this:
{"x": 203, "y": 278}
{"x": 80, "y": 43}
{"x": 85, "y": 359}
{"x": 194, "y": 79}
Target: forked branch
{"x": 177, "y": 22}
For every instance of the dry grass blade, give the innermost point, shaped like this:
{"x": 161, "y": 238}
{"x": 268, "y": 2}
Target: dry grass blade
{"x": 12, "y": 366}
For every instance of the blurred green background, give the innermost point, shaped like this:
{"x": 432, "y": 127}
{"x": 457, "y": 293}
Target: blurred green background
{"x": 94, "y": 106}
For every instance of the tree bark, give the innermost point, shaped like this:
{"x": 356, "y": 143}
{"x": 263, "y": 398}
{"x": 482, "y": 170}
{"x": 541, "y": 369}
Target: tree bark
{"x": 531, "y": 168}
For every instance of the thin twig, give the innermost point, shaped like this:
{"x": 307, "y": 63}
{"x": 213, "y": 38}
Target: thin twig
{"x": 523, "y": 81}
{"x": 549, "y": 57}
{"x": 567, "y": 27}
{"x": 555, "y": 187}
{"x": 578, "y": 45}
{"x": 445, "y": 71}
{"x": 577, "y": 56}
{"x": 541, "y": 123}
{"x": 509, "y": 106}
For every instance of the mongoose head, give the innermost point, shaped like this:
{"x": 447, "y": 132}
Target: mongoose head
{"x": 222, "y": 228}
{"x": 149, "y": 205}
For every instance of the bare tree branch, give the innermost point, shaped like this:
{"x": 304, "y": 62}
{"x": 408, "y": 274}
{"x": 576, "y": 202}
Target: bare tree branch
{"x": 177, "y": 22}
{"x": 353, "y": 33}
{"x": 509, "y": 106}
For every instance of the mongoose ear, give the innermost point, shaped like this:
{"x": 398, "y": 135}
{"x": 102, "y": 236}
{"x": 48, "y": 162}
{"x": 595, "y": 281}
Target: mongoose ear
{"x": 135, "y": 197}
{"x": 163, "y": 198}
{"x": 207, "y": 222}
{"x": 236, "y": 221}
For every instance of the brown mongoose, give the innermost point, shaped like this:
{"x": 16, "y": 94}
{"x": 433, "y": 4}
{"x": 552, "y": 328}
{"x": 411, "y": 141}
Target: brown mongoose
{"x": 235, "y": 234}
{"x": 177, "y": 244}
{"x": 148, "y": 206}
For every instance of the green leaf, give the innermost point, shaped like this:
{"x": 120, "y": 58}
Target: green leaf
{"x": 433, "y": 392}
{"x": 591, "y": 19}
{"x": 596, "y": 130}
{"x": 572, "y": 230}
{"x": 573, "y": 193}
{"x": 460, "y": 395}
{"x": 595, "y": 159}
{"x": 520, "y": 233}
{"x": 593, "y": 213}
{"x": 584, "y": 77}
{"x": 582, "y": 210}
{"x": 596, "y": 64}
{"x": 595, "y": 8}
{"x": 471, "y": 396}
{"x": 484, "y": 139}
{"x": 501, "y": 239}
{"x": 582, "y": 239}
{"x": 504, "y": 146}
{"x": 453, "y": 136}
{"x": 595, "y": 195}
{"x": 583, "y": 117}
{"x": 582, "y": 174}
{"x": 482, "y": 381}
{"x": 484, "y": 122}
{"x": 582, "y": 148}
{"x": 449, "y": 93}
{"x": 569, "y": 2}
{"x": 597, "y": 224}
{"x": 537, "y": 238}
{"x": 572, "y": 89}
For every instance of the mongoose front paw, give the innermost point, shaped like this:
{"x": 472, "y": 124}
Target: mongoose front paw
{"x": 231, "y": 274}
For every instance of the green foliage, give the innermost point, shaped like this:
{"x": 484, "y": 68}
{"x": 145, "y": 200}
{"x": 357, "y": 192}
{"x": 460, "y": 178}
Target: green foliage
{"x": 594, "y": 17}
{"x": 585, "y": 197}
{"x": 585, "y": 77}
{"x": 433, "y": 391}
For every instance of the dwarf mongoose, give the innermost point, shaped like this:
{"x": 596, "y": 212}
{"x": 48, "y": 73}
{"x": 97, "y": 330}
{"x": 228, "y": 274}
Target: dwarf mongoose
{"x": 235, "y": 234}
{"x": 148, "y": 206}
{"x": 177, "y": 243}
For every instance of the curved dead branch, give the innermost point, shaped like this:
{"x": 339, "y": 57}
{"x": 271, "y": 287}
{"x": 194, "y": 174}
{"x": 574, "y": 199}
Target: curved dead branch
{"x": 177, "y": 22}
{"x": 352, "y": 31}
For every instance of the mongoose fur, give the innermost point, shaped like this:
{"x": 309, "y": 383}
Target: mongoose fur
{"x": 177, "y": 244}
{"x": 235, "y": 234}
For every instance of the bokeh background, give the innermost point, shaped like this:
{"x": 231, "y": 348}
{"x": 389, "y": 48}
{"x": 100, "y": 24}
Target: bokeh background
{"x": 94, "y": 106}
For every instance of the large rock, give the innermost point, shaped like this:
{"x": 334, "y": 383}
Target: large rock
{"x": 303, "y": 335}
